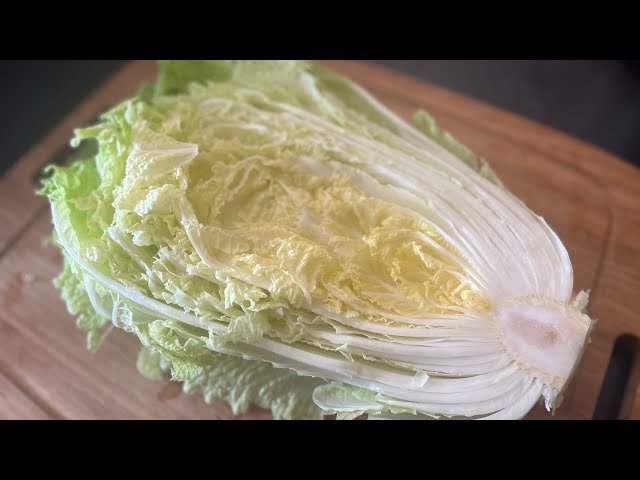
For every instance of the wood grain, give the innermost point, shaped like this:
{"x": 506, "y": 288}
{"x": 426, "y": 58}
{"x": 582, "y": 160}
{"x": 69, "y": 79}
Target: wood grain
{"x": 589, "y": 197}
{"x": 16, "y": 405}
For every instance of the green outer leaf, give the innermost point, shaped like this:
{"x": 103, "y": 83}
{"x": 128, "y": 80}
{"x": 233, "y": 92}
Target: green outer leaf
{"x": 243, "y": 383}
{"x": 175, "y": 75}
{"x": 74, "y": 294}
{"x": 425, "y": 122}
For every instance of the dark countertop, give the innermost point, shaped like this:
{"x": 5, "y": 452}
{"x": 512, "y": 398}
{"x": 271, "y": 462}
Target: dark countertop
{"x": 596, "y": 101}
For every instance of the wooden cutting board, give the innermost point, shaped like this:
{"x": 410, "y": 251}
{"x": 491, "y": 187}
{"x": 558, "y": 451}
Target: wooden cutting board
{"x": 588, "y": 196}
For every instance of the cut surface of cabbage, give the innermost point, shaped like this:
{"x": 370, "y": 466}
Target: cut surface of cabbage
{"x": 275, "y": 236}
